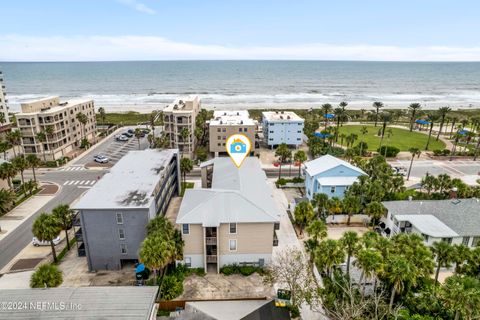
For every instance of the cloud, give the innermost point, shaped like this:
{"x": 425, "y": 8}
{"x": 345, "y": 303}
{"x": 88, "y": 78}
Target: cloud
{"x": 130, "y": 47}
{"x": 140, "y": 7}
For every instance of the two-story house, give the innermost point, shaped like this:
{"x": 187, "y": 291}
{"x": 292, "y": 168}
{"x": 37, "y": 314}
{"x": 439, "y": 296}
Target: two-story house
{"x": 329, "y": 175}
{"x": 232, "y": 219}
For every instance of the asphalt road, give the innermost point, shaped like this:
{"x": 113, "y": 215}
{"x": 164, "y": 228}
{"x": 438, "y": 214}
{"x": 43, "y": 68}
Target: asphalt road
{"x": 73, "y": 180}
{"x": 455, "y": 168}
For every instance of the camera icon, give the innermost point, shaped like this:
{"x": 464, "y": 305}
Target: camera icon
{"x": 238, "y": 147}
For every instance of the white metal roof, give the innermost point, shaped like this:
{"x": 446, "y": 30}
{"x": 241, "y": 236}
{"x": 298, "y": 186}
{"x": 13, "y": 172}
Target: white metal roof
{"x": 337, "y": 181}
{"x": 231, "y": 118}
{"x": 228, "y": 310}
{"x": 281, "y": 116}
{"x": 130, "y": 182}
{"x": 109, "y": 303}
{"x": 327, "y": 162}
{"x": 237, "y": 195}
{"x": 428, "y": 224}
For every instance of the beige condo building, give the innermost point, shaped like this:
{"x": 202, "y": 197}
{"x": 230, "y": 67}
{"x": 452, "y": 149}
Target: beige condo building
{"x": 5, "y": 124}
{"x": 226, "y": 123}
{"x": 67, "y": 132}
{"x": 180, "y": 116}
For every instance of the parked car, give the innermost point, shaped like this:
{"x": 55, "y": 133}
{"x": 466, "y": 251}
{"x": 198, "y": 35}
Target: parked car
{"x": 38, "y": 243}
{"x": 121, "y": 138}
{"x": 131, "y": 131}
{"x": 400, "y": 171}
{"x": 128, "y": 134}
{"x": 100, "y": 158}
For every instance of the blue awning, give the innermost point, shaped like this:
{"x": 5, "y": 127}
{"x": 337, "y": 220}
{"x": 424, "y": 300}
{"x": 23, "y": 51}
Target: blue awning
{"x": 421, "y": 121}
{"x": 322, "y": 135}
{"x": 329, "y": 115}
{"x": 463, "y": 132}
{"x": 140, "y": 267}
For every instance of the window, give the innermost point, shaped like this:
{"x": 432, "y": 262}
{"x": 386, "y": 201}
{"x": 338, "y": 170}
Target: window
{"x": 123, "y": 248}
{"x": 186, "y": 229}
{"x": 447, "y": 240}
{"x": 219, "y": 130}
{"x": 245, "y": 129}
{"x": 332, "y": 189}
{"x": 121, "y": 234}
{"x": 119, "y": 218}
{"x": 299, "y": 131}
{"x": 219, "y": 144}
{"x": 476, "y": 241}
{"x": 271, "y": 131}
{"x": 224, "y": 130}
{"x": 188, "y": 262}
{"x": 240, "y": 130}
{"x": 233, "y": 228}
{"x": 465, "y": 241}
{"x": 219, "y": 137}
{"x": 232, "y": 245}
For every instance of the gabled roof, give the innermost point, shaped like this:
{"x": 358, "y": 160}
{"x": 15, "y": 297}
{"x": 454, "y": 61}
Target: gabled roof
{"x": 327, "y": 162}
{"x": 238, "y": 195}
{"x": 460, "y": 215}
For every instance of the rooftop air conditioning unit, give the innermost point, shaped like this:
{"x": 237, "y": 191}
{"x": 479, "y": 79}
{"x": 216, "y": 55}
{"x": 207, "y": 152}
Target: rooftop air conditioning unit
{"x": 238, "y": 113}
{"x": 241, "y": 121}
{"x": 288, "y": 117}
{"x": 224, "y": 113}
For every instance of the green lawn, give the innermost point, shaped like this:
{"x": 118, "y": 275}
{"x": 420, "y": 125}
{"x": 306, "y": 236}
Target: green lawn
{"x": 400, "y": 138}
{"x": 126, "y": 118}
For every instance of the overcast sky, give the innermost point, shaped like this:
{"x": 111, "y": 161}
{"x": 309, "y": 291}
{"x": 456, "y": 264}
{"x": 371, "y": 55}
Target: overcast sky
{"x": 73, "y": 30}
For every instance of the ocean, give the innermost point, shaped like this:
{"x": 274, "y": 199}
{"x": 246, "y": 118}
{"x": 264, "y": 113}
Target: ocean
{"x": 147, "y": 85}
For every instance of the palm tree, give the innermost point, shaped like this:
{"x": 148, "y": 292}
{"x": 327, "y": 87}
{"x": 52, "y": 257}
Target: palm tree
{"x": 317, "y": 230}
{"x": 443, "y": 182}
{"x": 46, "y": 228}
{"x": 8, "y": 172}
{"x": 46, "y": 276}
{"x": 454, "y": 121}
{"x": 350, "y": 242}
{"x": 431, "y": 118}
{"x": 370, "y": 261}
{"x": 186, "y": 165}
{"x": 377, "y": 105}
{"x": 65, "y": 216}
{"x": 460, "y": 254}
{"x": 363, "y": 131}
{"x": 300, "y": 157}
{"x": 339, "y": 113}
{"x": 414, "y": 107}
{"x": 443, "y": 111}
{"x": 462, "y": 296}
{"x": 414, "y": 152}
{"x": 375, "y": 210}
{"x": 151, "y": 120}
{"x": 102, "y": 114}
{"x": 4, "y": 146}
{"x": 21, "y": 165}
{"x": 13, "y": 137}
{"x": 42, "y": 137}
{"x": 477, "y": 147}
{"x": 185, "y": 134}
{"x": 7, "y": 200}
{"x": 320, "y": 201}
{"x": 33, "y": 162}
{"x": 83, "y": 119}
{"x": 49, "y": 130}
{"x": 138, "y": 134}
{"x": 443, "y": 252}
{"x": 303, "y": 214}
{"x": 334, "y": 206}
{"x": 399, "y": 271}
{"x": 156, "y": 252}
{"x": 386, "y": 117}
{"x": 326, "y": 109}
{"x": 329, "y": 253}
{"x": 351, "y": 205}
{"x": 283, "y": 153}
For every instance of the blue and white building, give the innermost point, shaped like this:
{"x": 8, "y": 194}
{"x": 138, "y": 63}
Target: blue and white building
{"x": 282, "y": 127}
{"x": 329, "y": 175}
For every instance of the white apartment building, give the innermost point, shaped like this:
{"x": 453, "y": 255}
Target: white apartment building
{"x": 58, "y": 121}
{"x": 226, "y": 123}
{"x": 179, "y": 117}
{"x": 282, "y": 127}
{"x": 5, "y": 124}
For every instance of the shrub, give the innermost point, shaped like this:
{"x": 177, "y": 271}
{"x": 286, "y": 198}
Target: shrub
{"x": 294, "y": 311}
{"x": 51, "y": 164}
{"x": 47, "y": 275}
{"x": 228, "y": 270}
{"x": 391, "y": 151}
{"x": 437, "y": 152}
{"x": 172, "y": 286}
{"x": 84, "y": 144}
{"x": 281, "y": 182}
{"x": 336, "y": 151}
{"x": 201, "y": 154}
{"x": 445, "y": 152}
{"x": 297, "y": 180}
{"x": 247, "y": 270}
{"x": 243, "y": 270}
{"x": 364, "y": 145}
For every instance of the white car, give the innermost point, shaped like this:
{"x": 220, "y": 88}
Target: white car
{"x": 101, "y": 158}
{"x": 38, "y": 243}
{"x": 121, "y": 137}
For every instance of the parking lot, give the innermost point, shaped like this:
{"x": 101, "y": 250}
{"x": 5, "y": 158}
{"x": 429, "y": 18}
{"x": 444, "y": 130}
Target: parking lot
{"x": 114, "y": 150}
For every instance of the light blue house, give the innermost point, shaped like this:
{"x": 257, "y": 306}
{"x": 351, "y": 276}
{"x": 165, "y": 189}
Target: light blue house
{"x": 329, "y": 175}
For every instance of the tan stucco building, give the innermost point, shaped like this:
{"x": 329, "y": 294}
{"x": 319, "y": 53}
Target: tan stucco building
{"x": 182, "y": 114}
{"x": 227, "y": 123}
{"x": 5, "y": 126}
{"x": 232, "y": 219}
{"x": 68, "y": 132}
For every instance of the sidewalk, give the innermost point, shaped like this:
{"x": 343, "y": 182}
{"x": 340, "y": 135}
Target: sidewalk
{"x": 10, "y": 221}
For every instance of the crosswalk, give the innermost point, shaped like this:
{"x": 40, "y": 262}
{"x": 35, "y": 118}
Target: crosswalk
{"x": 83, "y": 183}
{"x": 72, "y": 168}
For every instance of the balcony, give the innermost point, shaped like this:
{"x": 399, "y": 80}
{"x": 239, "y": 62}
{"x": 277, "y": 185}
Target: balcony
{"x": 79, "y": 235}
{"x": 211, "y": 241}
{"x": 211, "y": 259}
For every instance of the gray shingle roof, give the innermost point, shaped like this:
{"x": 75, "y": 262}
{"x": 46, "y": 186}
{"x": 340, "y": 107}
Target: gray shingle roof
{"x": 462, "y": 215}
{"x": 132, "y": 303}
